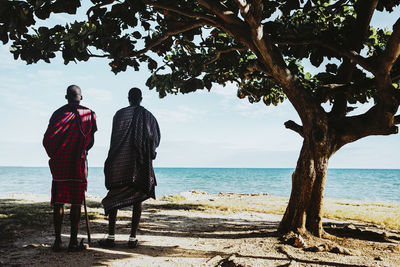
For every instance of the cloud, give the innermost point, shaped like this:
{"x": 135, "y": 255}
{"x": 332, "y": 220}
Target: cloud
{"x": 50, "y": 77}
{"x": 228, "y": 90}
{"x": 100, "y": 96}
{"x": 203, "y": 154}
{"x": 8, "y": 63}
{"x": 231, "y": 103}
{"x": 180, "y": 114}
{"x": 61, "y": 18}
{"x": 25, "y": 103}
{"x": 191, "y": 111}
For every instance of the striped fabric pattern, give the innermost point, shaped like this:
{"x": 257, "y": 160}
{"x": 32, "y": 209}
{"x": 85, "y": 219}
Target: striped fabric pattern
{"x": 134, "y": 139}
{"x": 67, "y": 141}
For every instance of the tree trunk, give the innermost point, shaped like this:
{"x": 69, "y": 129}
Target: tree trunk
{"x": 304, "y": 211}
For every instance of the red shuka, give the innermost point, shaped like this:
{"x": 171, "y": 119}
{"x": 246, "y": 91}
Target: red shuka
{"x": 67, "y": 141}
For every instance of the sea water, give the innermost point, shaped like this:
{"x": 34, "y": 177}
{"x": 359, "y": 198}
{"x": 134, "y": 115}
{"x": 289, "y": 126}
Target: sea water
{"x": 357, "y": 184}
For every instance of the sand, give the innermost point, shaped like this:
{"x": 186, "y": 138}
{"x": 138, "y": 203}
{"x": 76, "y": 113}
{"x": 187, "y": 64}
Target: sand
{"x": 176, "y": 234}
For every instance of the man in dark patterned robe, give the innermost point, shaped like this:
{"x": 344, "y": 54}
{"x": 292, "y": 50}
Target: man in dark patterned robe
{"x": 68, "y": 138}
{"x": 129, "y": 173}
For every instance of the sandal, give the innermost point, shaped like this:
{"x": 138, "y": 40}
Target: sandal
{"x": 133, "y": 244}
{"x": 74, "y": 247}
{"x": 106, "y": 243}
{"x": 56, "y": 247}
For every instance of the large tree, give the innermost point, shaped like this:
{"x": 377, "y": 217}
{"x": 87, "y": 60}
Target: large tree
{"x": 261, "y": 46}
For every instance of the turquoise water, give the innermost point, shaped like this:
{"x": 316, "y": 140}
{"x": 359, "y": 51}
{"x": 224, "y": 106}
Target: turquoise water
{"x": 358, "y": 184}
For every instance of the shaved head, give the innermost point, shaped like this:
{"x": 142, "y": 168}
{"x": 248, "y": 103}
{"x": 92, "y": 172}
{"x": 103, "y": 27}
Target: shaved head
{"x": 135, "y": 96}
{"x": 74, "y": 94}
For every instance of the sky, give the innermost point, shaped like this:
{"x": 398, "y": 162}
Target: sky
{"x": 201, "y": 129}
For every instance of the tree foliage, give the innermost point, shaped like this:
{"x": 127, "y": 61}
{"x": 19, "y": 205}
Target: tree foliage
{"x": 186, "y": 47}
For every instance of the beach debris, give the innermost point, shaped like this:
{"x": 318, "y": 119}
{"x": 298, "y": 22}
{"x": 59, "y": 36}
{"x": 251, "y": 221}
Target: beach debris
{"x": 197, "y": 192}
{"x": 340, "y": 250}
{"x": 333, "y": 249}
{"x": 318, "y": 248}
{"x": 359, "y": 231}
{"x": 35, "y": 246}
{"x": 214, "y": 260}
{"x": 394, "y": 248}
{"x": 294, "y": 239}
{"x": 379, "y": 258}
{"x": 351, "y": 227}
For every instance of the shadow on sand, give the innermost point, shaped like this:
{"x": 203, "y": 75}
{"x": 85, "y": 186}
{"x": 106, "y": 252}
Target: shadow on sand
{"x": 23, "y": 224}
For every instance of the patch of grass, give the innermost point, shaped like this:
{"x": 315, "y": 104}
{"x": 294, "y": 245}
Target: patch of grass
{"x": 94, "y": 204}
{"x": 173, "y": 198}
{"x": 232, "y": 203}
{"x": 16, "y": 215}
{"x": 18, "y": 212}
{"x": 384, "y": 214}
{"x": 378, "y": 213}
{"x": 181, "y": 206}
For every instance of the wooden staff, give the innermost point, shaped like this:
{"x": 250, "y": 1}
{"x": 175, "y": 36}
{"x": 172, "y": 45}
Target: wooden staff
{"x": 87, "y": 220}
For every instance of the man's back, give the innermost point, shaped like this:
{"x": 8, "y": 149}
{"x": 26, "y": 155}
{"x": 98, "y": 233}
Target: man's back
{"x": 135, "y": 136}
{"x": 67, "y": 140}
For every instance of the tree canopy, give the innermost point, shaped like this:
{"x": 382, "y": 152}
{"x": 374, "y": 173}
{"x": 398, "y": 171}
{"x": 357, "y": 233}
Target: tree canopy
{"x": 188, "y": 45}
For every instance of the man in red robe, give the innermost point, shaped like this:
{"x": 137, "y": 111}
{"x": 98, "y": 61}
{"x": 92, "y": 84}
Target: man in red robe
{"x": 68, "y": 138}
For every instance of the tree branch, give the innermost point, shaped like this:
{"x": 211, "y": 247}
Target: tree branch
{"x": 97, "y": 7}
{"x": 187, "y": 14}
{"x": 219, "y": 52}
{"x": 166, "y": 35}
{"x": 250, "y": 69}
{"x": 392, "y": 50}
{"x": 101, "y": 56}
{"x": 351, "y": 55}
{"x": 230, "y": 23}
{"x": 294, "y": 127}
{"x": 376, "y": 121}
{"x": 337, "y": 4}
{"x": 365, "y": 9}
{"x": 221, "y": 11}
{"x": 251, "y": 11}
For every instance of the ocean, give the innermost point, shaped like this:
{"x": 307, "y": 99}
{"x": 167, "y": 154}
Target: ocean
{"x": 357, "y": 184}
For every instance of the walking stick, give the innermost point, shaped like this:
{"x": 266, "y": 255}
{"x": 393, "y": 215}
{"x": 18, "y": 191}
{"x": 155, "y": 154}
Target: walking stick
{"x": 87, "y": 220}
{"x": 77, "y": 116}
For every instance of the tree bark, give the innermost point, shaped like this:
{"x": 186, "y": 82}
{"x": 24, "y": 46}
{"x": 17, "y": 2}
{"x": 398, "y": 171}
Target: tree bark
{"x": 304, "y": 211}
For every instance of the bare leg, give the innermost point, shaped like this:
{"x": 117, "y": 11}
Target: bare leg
{"x": 109, "y": 241}
{"x": 58, "y": 215}
{"x": 136, "y": 214}
{"x": 112, "y": 218}
{"x": 75, "y": 215}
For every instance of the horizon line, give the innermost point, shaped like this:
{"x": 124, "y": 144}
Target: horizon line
{"x": 174, "y": 167}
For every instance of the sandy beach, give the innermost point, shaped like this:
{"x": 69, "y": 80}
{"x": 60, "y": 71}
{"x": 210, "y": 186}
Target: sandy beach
{"x": 198, "y": 229}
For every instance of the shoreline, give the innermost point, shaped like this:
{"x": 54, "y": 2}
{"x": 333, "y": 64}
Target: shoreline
{"x": 33, "y": 196}
{"x": 163, "y": 167}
